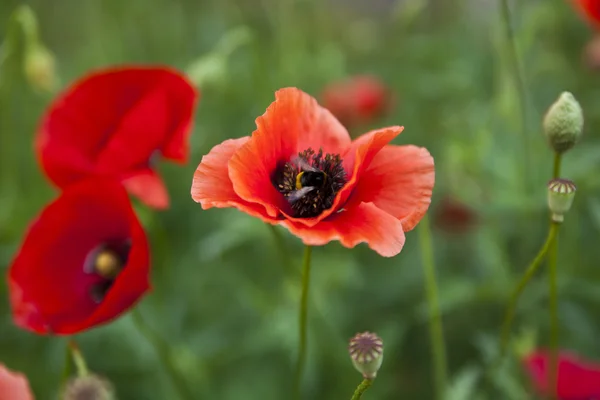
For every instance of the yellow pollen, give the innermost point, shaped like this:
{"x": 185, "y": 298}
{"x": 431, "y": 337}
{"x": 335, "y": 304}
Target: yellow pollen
{"x": 108, "y": 264}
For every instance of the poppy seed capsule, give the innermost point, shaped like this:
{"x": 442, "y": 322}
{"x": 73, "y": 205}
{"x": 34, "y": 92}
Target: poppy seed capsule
{"x": 366, "y": 352}
{"x": 561, "y": 193}
{"x": 90, "y": 387}
{"x": 563, "y": 123}
{"x": 108, "y": 264}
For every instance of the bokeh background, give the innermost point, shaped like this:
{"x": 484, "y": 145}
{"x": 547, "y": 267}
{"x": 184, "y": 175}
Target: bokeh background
{"x": 225, "y": 295}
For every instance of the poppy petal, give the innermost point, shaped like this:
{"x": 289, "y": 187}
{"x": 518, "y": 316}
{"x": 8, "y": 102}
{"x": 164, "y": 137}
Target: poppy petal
{"x": 49, "y": 287}
{"x": 14, "y": 385}
{"x": 291, "y": 124}
{"x": 149, "y": 187}
{"x": 577, "y": 379}
{"x": 211, "y": 186}
{"x": 400, "y": 181}
{"x": 589, "y": 9}
{"x": 114, "y": 120}
{"x": 364, "y": 223}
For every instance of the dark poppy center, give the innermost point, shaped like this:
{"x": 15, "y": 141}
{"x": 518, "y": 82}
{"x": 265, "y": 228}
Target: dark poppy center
{"x": 310, "y": 182}
{"x": 105, "y": 263}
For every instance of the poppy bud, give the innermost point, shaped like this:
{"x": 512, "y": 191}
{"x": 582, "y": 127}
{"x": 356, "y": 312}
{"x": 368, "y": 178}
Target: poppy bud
{"x": 89, "y": 387}
{"x": 39, "y": 68}
{"x": 563, "y": 123}
{"x": 366, "y": 352}
{"x": 561, "y": 193}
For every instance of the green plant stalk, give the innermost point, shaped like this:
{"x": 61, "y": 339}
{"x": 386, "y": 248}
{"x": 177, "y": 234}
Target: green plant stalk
{"x": 553, "y": 296}
{"x": 436, "y": 332}
{"x": 303, "y": 321}
{"x": 519, "y": 77}
{"x": 514, "y": 298}
{"x": 360, "y": 389}
{"x": 164, "y": 354}
{"x": 66, "y": 372}
{"x": 78, "y": 360}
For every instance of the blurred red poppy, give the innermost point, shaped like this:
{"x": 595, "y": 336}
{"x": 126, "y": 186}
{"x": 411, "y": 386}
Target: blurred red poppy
{"x": 13, "y": 385}
{"x": 454, "y": 216}
{"x": 301, "y": 170}
{"x": 84, "y": 261}
{"x": 589, "y": 9}
{"x": 117, "y": 123}
{"x": 577, "y": 379}
{"x": 357, "y": 100}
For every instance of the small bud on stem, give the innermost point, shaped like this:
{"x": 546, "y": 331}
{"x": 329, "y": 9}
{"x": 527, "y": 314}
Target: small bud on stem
{"x": 561, "y": 193}
{"x": 563, "y": 123}
{"x": 366, "y": 351}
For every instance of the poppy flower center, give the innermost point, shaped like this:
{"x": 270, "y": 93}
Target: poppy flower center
{"x": 105, "y": 263}
{"x": 310, "y": 182}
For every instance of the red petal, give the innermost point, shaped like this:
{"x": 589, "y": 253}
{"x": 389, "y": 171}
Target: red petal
{"x": 362, "y": 224}
{"x": 14, "y": 385}
{"x": 49, "y": 289}
{"x": 149, "y": 187}
{"x": 589, "y": 9}
{"x": 211, "y": 186}
{"x": 113, "y": 121}
{"x": 577, "y": 379}
{"x": 400, "y": 181}
{"x": 292, "y": 123}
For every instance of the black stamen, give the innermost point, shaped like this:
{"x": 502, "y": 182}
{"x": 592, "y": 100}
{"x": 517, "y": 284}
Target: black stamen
{"x": 326, "y": 177}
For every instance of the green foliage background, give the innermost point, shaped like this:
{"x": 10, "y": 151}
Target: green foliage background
{"x": 225, "y": 297}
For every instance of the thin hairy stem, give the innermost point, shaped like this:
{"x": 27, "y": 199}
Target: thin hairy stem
{"x": 554, "y": 324}
{"x": 360, "y": 389}
{"x": 436, "y": 332}
{"x": 78, "y": 360}
{"x": 303, "y": 321}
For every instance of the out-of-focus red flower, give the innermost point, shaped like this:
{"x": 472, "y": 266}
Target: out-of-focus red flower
{"x": 454, "y": 216}
{"x": 577, "y": 379}
{"x": 590, "y": 10}
{"x": 357, "y": 100}
{"x": 116, "y": 123}
{"x": 84, "y": 261}
{"x": 301, "y": 170}
{"x": 13, "y": 385}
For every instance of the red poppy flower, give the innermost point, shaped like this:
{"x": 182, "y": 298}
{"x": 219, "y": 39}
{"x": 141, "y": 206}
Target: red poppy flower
{"x": 84, "y": 261}
{"x": 589, "y": 9}
{"x": 577, "y": 379}
{"x": 116, "y": 123}
{"x": 13, "y": 385}
{"x": 357, "y": 100}
{"x": 454, "y": 216}
{"x": 301, "y": 170}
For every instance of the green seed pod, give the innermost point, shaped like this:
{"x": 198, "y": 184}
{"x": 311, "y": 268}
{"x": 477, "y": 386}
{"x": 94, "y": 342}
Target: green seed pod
{"x": 563, "y": 123}
{"x": 366, "y": 352}
{"x": 90, "y": 387}
{"x": 561, "y": 193}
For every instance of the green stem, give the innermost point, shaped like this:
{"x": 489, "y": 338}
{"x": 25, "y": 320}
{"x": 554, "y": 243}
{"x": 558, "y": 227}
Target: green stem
{"x": 554, "y": 327}
{"x": 436, "y": 331}
{"x": 303, "y": 323}
{"x": 360, "y": 389}
{"x": 514, "y": 298}
{"x": 557, "y": 163}
{"x": 519, "y": 77}
{"x": 67, "y": 366}
{"x": 164, "y": 354}
{"x": 78, "y": 359}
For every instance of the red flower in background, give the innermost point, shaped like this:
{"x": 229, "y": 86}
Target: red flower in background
{"x": 589, "y": 9}
{"x": 357, "y": 100}
{"x": 454, "y": 216}
{"x": 84, "y": 261}
{"x": 116, "y": 123}
{"x": 577, "y": 379}
{"x": 300, "y": 169}
{"x": 13, "y": 385}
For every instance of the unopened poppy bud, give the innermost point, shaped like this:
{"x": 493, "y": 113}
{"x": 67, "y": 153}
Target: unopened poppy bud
{"x": 563, "y": 123}
{"x": 40, "y": 68}
{"x": 561, "y": 193}
{"x": 90, "y": 387}
{"x": 366, "y": 351}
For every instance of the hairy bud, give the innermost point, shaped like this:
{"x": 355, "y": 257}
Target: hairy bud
{"x": 563, "y": 123}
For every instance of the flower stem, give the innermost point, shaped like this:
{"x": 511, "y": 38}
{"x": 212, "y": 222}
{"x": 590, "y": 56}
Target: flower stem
{"x": 360, "y": 389}
{"x": 78, "y": 359}
{"x": 303, "y": 316}
{"x": 557, "y": 163}
{"x": 164, "y": 354}
{"x": 554, "y": 328}
{"x": 514, "y": 298}
{"x": 436, "y": 331}
{"x": 66, "y": 372}
{"x": 519, "y": 77}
